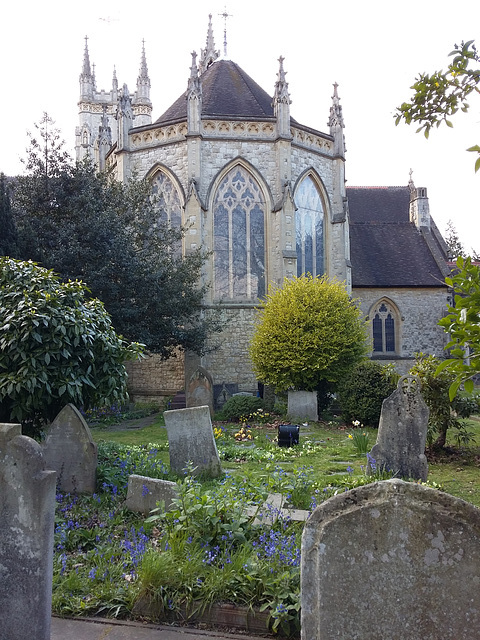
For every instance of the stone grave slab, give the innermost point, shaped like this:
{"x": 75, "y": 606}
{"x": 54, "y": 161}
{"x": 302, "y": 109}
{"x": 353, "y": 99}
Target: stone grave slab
{"x": 402, "y": 432}
{"x": 302, "y": 405}
{"x": 388, "y": 560}
{"x": 191, "y": 440}
{"x": 200, "y": 389}
{"x": 145, "y": 494}
{"x": 27, "y": 517}
{"x": 69, "y": 450}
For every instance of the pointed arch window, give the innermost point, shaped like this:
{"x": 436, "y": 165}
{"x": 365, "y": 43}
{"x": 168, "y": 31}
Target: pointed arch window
{"x": 168, "y": 204}
{"x": 385, "y": 325}
{"x": 239, "y": 237}
{"x": 309, "y": 229}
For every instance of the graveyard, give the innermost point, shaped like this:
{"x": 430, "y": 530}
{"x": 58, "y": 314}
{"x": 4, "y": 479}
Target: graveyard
{"x": 212, "y": 548}
{"x": 175, "y": 518}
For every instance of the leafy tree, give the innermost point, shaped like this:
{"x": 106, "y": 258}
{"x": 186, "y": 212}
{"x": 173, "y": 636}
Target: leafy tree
{"x": 87, "y": 226}
{"x": 445, "y": 412}
{"x": 363, "y": 391}
{"x": 439, "y": 96}
{"x": 8, "y": 234}
{"x": 307, "y": 333}
{"x": 463, "y": 325}
{"x": 56, "y": 347}
{"x": 455, "y": 247}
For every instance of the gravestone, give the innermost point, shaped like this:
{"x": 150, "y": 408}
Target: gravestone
{"x": 391, "y": 560}
{"x": 69, "y": 450}
{"x": 200, "y": 389}
{"x": 222, "y": 393}
{"x": 402, "y": 433}
{"x": 191, "y": 440}
{"x": 27, "y": 517}
{"x": 144, "y": 493}
{"x": 302, "y": 405}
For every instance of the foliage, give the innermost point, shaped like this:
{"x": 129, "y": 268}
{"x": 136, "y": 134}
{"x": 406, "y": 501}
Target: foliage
{"x": 360, "y": 439}
{"x": 455, "y": 247}
{"x": 307, "y": 333}
{"x": 463, "y": 326}
{"x": 363, "y": 390}
{"x": 86, "y": 225}
{"x": 55, "y": 346}
{"x": 8, "y": 235}
{"x": 445, "y": 413}
{"x": 439, "y": 96}
{"x": 236, "y": 407}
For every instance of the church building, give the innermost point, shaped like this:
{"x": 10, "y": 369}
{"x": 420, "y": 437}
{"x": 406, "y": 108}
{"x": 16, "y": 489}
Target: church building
{"x": 267, "y": 196}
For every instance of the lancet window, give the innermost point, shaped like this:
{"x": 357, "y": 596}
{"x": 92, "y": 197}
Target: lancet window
{"x": 309, "y": 229}
{"x": 239, "y": 237}
{"x": 168, "y": 203}
{"x": 384, "y": 319}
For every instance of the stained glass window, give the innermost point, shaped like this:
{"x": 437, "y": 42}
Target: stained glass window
{"x": 309, "y": 229}
{"x": 168, "y": 204}
{"x": 239, "y": 237}
{"x": 383, "y": 328}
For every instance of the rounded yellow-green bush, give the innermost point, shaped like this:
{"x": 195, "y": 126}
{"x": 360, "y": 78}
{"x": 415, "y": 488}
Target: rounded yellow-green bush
{"x": 307, "y": 332}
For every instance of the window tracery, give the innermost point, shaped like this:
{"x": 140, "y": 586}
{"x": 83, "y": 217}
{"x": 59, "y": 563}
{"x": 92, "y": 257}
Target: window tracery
{"x": 309, "y": 229}
{"x": 239, "y": 237}
{"x": 385, "y": 323}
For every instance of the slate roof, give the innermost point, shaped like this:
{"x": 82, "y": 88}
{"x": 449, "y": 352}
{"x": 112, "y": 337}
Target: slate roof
{"x": 387, "y": 250}
{"x": 227, "y": 91}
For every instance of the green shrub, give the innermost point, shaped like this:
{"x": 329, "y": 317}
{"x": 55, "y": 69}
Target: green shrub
{"x": 238, "y": 407}
{"x": 362, "y": 392}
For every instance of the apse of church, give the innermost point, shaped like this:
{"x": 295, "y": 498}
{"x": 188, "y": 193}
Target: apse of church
{"x": 264, "y": 193}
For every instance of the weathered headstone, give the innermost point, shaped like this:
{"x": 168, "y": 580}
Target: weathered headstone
{"x": 144, "y": 494}
{"x": 402, "y": 432}
{"x": 191, "y": 440}
{"x": 69, "y": 450}
{"x": 302, "y": 405}
{"x": 388, "y": 560}
{"x": 200, "y": 389}
{"x": 27, "y": 516}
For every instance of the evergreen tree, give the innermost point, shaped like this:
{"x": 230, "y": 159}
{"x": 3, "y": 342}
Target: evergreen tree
{"x": 8, "y": 234}
{"x": 88, "y": 226}
{"x": 455, "y": 247}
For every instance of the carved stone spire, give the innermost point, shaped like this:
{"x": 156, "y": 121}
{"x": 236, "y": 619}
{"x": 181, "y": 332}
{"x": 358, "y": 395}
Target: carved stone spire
{"x": 336, "y": 117}
{"x": 194, "y": 97}
{"x": 281, "y": 102}
{"x": 124, "y": 117}
{"x": 142, "y": 95}
{"x": 87, "y": 79}
{"x": 104, "y": 140}
{"x": 209, "y": 54}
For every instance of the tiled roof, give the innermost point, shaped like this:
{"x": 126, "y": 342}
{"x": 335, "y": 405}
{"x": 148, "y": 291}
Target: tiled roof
{"x": 227, "y": 91}
{"x": 387, "y": 250}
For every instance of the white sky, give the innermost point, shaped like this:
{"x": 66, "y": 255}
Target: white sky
{"x": 373, "y": 49}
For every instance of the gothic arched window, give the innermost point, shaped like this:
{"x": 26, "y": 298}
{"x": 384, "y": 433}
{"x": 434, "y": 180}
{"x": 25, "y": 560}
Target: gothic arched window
{"x": 384, "y": 318}
{"x": 239, "y": 237}
{"x": 309, "y": 229}
{"x": 167, "y": 203}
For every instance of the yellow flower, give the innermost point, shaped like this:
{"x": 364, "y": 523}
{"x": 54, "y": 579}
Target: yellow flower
{"x": 350, "y": 436}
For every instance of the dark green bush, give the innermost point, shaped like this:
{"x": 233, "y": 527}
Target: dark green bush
{"x": 362, "y": 392}
{"x": 239, "y": 406}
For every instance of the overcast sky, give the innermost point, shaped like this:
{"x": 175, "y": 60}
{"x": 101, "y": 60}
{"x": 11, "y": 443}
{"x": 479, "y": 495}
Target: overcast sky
{"x": 373, "y": 49}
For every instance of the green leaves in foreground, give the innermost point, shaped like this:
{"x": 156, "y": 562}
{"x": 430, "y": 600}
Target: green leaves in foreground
{"x": 56, "y": 347}
{"x": 463, "y": 325}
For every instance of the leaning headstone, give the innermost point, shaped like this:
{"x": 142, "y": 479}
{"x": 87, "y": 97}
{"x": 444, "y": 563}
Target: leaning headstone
{"x": 145, "y": 494}
{"x": 200, "y": 389}
{"x": 302, "y": 405}
{"x": 402, "y": 433}
{"x": 69, "y": 449}
{"x": 27, "y": 516}
{"x": 391, "y": 560}
{"x": 191, "y": 441}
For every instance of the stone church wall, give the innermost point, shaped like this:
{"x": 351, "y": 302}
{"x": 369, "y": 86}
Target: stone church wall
{"x": 154, "y": 379}
{"x": 229, "y": 362}
{"x": 419, "y": 310}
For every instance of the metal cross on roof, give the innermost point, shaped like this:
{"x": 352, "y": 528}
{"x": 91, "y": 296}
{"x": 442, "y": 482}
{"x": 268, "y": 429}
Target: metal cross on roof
{"x": 225, "y": 15}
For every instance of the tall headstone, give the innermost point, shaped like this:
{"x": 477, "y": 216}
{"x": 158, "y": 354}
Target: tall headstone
{"x": 402, "y": 432}
{"x": 302, "y": 405}
{"x": 27, "y": 516}
{"x": 200, "y": 389}
{"x": 392, "y": 559}
{"x": 191, "y": 440}
{"x": 69, "y": 449}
